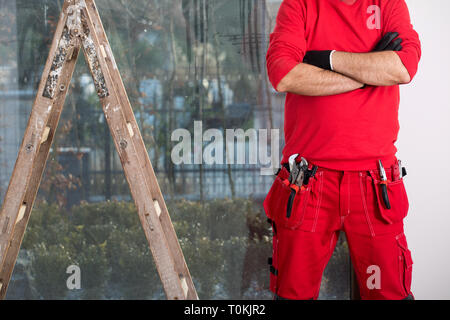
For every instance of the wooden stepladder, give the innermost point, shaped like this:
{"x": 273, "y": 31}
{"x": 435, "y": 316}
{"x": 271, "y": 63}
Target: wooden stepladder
{"x": 80, "y": 26}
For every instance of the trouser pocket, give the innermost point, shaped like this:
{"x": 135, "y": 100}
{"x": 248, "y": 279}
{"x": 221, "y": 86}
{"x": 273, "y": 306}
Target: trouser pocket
{"x": 405, "y": 264}
{"x": 285, "y": 204}
{"x": 295, "y": 211}
{"x": 398, "y": 200}
{"x": 278, "y": 196}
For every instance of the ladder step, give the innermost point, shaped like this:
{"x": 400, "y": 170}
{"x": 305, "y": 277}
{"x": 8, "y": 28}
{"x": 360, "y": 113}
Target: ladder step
{"x": 157, "y": 207}
{"x": 184, "y": 285}
{"x": 130, "y": 129}
{"x": 102, "y": 49}
{"x": 45, "y": 135}
{"x": 22, "y": 210}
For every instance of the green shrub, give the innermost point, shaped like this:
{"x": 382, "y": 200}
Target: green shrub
{"x": 221, "y": 240}
{"x": 49, "y": 266}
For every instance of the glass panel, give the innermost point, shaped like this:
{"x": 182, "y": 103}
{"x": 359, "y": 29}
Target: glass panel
{"x": 192, "y": 68}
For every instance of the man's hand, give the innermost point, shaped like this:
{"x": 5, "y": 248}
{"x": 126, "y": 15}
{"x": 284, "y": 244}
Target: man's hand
{"x": 387, "y": 43}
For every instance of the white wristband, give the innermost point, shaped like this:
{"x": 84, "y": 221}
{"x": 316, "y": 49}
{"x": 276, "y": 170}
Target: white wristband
{"x": 331, "y": 59}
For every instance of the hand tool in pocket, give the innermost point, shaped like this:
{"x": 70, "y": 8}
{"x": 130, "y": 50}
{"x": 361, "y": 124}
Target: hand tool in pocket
{"x": 300, "y": 173}
{"x": 298, "y": 170}
{"x": 293, "y": 168}
{"x": 401, "y": 169}
{"x": 383, "y": 185}
{"x": 309, "y": 174}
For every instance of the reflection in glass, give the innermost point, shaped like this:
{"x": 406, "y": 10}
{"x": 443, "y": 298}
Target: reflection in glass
{"x": 181, "y": 61}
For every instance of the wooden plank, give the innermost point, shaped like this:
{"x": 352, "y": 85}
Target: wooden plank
{"x": 149, "y": 174}
{"x": 33, "y": 154}
{"x": 136, "y": 164}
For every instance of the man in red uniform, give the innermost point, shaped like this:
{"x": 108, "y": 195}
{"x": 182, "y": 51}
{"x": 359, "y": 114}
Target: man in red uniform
{"x": 341, "y": 63}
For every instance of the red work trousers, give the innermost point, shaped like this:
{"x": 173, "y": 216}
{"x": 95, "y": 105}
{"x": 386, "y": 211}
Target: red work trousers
{"x": 307, "y": 223}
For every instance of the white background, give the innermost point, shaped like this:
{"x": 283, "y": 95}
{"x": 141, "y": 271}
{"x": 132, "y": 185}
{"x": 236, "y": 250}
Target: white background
{"x": 424, "y": 146}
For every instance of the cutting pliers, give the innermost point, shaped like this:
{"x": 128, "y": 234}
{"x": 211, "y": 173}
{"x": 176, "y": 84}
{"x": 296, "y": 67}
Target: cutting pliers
{"x": 383, "y": 184}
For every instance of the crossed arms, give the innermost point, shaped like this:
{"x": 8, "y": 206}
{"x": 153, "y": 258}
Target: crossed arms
{"x": 289, "y": 70}
{"x": 351, "y": 71}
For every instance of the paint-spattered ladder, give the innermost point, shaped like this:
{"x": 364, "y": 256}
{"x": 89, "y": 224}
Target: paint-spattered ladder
{"x": 80, "y": 26}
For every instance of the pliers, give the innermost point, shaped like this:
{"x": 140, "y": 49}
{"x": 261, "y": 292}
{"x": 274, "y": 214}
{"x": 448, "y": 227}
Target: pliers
{"x": 299, "y": 171}
{"x": 383, "y": 183}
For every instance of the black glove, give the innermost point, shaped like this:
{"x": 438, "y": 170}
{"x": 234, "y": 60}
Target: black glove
{"x": 319, "y": 59}
{"x": 387, "y": 43}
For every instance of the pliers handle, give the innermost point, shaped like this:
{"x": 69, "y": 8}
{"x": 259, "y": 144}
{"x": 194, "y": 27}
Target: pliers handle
{"x": 383, "y": 183}
{"x": 384, "y": 193}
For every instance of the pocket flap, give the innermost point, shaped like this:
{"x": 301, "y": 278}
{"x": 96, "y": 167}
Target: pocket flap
{"x": 401, "y": 241}
{"x": 397, "y": 198}
{"x": 277, "y": 198}
{"x": 283, "y": 174}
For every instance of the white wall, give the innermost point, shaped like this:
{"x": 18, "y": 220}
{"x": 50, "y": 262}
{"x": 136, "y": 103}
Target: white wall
{"x": 424, "y": 146}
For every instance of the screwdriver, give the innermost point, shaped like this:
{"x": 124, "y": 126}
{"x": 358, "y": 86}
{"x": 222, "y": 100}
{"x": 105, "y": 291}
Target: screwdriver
{"x": 383, "y": 184}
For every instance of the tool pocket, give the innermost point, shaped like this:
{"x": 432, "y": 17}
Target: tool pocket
{"x": 286, "y": 204}
{"x": 278, "y": 196}
{"x": 405, "y": 263}
{"x": 397, "y": 198}
{"x": 293, "y": 217}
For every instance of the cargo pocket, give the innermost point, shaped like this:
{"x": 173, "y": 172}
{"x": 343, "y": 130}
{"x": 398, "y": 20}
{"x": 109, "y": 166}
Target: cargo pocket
{"x": 293, "y": 217}
{"x": 398, "y": 200}
{"x": 285, "y": 204}
{"x": 405, "y": 264}
{"x": 278, "y": 196}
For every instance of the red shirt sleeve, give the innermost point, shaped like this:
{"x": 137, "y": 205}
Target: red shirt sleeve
{"x": 287, "y": 42}
{"x": 399, "y": 20}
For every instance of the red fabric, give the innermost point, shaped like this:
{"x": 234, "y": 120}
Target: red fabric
{"x": 338, "y": 201}
{"x": 348, "y": 131}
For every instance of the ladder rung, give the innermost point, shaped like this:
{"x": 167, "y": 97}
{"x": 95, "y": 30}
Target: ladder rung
{"x": 184, "y": 286}
{"x": 70, "y": 53}
{"x": 157, "y": 207}
{"x": 45, "y": 135}
{"x": 102, "y": 49}
{"x": 130, "y": 129}
{"x": 22, "y": 210}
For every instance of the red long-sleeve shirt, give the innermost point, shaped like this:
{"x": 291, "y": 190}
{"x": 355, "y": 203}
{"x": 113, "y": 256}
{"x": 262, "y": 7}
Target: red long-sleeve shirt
{"x": 349, "y": 131}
